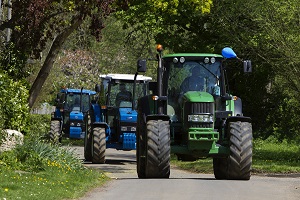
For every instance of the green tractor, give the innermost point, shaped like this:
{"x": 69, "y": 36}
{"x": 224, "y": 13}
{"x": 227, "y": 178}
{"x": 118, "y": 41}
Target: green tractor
{"x": 192, "y": 115}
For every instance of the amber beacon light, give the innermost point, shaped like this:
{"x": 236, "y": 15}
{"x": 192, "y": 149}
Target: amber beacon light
{"x": 159, "y": 47}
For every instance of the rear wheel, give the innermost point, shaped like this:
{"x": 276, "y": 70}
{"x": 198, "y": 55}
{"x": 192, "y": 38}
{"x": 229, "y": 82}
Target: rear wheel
{"x": 158, "y": 149}
{"x": 99, "y": 145}
{"x": 238, "y": 164}
{"x": 55, "y": 131}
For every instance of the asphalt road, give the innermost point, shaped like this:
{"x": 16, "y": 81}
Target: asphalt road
{"x": 125, "y": 185}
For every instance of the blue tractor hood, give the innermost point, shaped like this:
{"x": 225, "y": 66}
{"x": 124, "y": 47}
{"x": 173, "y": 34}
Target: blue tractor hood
{"x": 76, "y": 115}
{"x": 127, "y": 115}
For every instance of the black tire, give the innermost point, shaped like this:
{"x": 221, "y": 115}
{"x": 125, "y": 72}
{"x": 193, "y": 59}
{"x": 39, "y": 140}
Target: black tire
{"x": 220, "y": 168}
{"x": 237, "y": 166}
{"x": 140, "y": 150}
{"x": 158, "y": 149}
{"x": 88, "y": 140}
{"x": 55, "y": 131}
{"x": 99, "y": 145}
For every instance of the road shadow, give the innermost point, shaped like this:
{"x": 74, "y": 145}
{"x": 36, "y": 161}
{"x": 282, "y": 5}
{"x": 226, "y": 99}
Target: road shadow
{"x": 119, "y": 162}
{"x": 112, "y": 162}
{"x": 172, "y": 178}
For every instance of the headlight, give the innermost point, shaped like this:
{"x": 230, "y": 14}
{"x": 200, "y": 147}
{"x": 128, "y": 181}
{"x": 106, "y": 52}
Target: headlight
{"x": 128, "y": 128}
{"x": 75, "y": 124}
{"x": 123, "y": 128}
{"x": 200, "y": 118}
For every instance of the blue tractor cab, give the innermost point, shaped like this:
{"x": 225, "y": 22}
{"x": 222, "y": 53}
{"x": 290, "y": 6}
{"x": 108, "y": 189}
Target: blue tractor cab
{"x": 113, "y": 119}
{"x": 67, "y": 120}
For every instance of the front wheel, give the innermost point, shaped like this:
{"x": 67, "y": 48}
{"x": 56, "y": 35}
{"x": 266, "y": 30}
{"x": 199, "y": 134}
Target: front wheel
{"x": 99, "y": 145}
{"x": 157, "y": 149}
{"x": 238, "y": 164}
{"x": 55, "y": 131}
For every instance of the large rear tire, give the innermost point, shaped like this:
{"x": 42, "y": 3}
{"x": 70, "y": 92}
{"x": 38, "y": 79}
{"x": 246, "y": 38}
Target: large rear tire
{"x": 158, "y": 149}
{"x": 99, "y": 145}
{"x": 55, "y": 132}
{"x": 238, "y": 164}
{"x": 88, "y": 140}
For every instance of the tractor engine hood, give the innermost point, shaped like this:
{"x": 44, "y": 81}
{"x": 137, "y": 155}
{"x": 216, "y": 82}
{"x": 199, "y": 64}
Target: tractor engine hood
{"x": 195, "y": 96}
{"x": 75, "y": 115}
{"x": 127, "y": 115}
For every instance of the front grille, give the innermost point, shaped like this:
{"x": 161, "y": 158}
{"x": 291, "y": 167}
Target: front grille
{"x": 198, "y": 108}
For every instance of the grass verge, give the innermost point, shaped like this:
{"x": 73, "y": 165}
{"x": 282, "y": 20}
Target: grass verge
{"x": 53, "y": 183}
{"x": 38, "y": 170}
{"x": 269, "y": 157}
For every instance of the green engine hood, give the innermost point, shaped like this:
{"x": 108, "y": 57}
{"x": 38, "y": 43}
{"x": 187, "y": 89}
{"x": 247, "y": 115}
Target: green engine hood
{"x": 194, "y": 96}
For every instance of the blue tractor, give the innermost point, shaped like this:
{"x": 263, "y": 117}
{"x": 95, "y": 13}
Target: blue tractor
{"x": 67, "y": 120}
{"x": 112, "y": 121}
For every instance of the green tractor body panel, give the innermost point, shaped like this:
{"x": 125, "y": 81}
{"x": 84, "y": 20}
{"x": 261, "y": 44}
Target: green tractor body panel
{"x": 194, "y": 96}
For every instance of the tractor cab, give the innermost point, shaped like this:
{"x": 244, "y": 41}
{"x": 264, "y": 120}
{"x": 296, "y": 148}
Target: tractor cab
{"x": 120, "y": 113}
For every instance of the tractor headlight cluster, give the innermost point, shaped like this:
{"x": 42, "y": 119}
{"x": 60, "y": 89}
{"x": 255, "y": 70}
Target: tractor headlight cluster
{"x": 212, "y": 60}
{"x": 200, "y": 118}
{"x": 75, "y": 124}
{"x": 128, "y": 128}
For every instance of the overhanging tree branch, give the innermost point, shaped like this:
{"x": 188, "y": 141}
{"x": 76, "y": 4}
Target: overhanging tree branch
{"x": 48, "y": 64}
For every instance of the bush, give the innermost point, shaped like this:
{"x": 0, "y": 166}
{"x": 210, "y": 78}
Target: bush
{"x": 35, "y": 156}
{"x": 14, "y": 110}
{"x": 38, "y": 126}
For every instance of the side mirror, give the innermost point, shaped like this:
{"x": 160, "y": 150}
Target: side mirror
{"x": 228, "y": 53}
{"x": 141, "y": 66}
{"x": 247, "y": 66}
{"x": 97, "y": 88}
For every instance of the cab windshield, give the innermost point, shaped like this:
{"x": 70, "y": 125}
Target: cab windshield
{"x": 121, "y": 93}
{"x": 73, "y": 102}
{"x": 194, "y": 76}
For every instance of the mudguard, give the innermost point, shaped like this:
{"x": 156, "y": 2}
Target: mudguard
{"x": 96, "y": 110}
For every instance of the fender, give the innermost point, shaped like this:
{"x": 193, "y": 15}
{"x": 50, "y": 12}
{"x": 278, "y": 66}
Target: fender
{"x": 101, "y": 125}
{"x": 238, "y": 118}
{"x": 96, "y": 111}
{"x": 148, "y": 108}
{"x": 56, "y": 118}
{"x": 157, "y": 117}
{"x": 238, "y": 107}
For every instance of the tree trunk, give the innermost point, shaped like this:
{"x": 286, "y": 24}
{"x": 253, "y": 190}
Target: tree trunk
{"x": 48, "y": 64}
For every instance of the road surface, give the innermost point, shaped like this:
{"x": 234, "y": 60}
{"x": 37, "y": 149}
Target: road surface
{"x": 125, "y": 185}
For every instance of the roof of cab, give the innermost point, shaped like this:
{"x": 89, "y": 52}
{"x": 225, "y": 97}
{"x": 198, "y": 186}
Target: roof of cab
{"x": 125, "y": 77}
{"x": 193, "y": 55}
{"x": 84, "y": 91}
